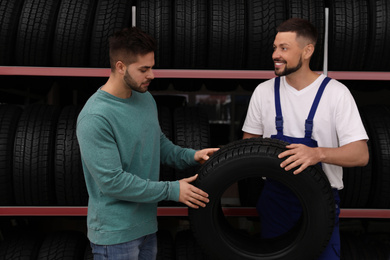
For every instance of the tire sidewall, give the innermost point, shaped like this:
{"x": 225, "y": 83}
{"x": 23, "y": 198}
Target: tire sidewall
{"x": 209, "y": 224}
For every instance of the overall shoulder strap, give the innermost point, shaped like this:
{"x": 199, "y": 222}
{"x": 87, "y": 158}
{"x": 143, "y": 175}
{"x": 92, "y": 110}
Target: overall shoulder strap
{"x": 278, "y": 108}
{"x": 309, "y": 120}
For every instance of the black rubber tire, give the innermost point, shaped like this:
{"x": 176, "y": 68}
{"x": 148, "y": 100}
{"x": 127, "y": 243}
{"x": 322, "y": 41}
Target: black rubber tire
{"x": 187, "y": 85}
{"x": 21, "y": 245}
{"x": 155, "y": 18}
{"x": 190, "y": 34}
{"x": 88, "y": 255}
{"x": 258, "y": 158}
{"x": 221, "y": 85}
{"x": 72, "y": 35}
{"x": 263, "y": 18}
{"x": 33, "y": 165}
{"x": 378, "y": 58}
{"x": 187, "y": 248}
{"x": 226, "y": 34}
{"x": 9, "y": 116}
{"x": 111, "y": 15}
{"x": 357, "y": 181}
{"x": 165, "y": 245}
{"x": 191, "y": 130}
{"x": 378, "y": 129}
{"x": 348, "y": 34}
{"x": 313, "y": 11}
{"x": 68, "y": 171}
{"x": 34, "y": 39}
{"x": 63, "y": 245}
{"x": 9, "y": 18}
{"x": 165, "y": 119}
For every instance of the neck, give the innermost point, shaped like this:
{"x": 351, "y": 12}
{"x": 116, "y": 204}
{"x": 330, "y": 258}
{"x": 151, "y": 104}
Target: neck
{"x": 116, "y": 87}
{"x": 301, "y": 78}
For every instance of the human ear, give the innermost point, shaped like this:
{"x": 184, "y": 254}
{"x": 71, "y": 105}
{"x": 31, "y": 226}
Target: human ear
{"x": 309, "y": 50}
{"x": 120, "y": 67}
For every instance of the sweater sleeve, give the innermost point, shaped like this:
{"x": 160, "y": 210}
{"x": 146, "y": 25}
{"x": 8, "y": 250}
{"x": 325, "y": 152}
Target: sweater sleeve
{"x": 176, "y": 156}
{"x": 101, "y": 160}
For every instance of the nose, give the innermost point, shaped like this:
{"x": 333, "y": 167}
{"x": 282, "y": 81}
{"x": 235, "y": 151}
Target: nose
{"x": 275, "y": 54}
{"x": 150, "y": 74}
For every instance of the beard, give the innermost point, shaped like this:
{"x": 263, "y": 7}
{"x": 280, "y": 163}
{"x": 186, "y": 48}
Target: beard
{"x": 288, "y": 70}
{"x": 132, "y": 84}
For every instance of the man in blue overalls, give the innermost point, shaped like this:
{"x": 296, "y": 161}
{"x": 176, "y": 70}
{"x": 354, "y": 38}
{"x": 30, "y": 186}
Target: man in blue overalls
{"x": 316, "y": 115}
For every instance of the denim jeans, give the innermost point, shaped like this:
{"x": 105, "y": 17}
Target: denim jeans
{"x": 143, "y": 248}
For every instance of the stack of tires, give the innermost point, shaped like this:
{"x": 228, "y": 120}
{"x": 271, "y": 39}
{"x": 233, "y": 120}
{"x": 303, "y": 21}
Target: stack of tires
{"x": 40, "y": 163}
{"x": 201, "y": 34}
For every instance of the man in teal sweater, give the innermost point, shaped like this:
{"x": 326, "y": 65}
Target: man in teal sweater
{"x": 121, "y": 147}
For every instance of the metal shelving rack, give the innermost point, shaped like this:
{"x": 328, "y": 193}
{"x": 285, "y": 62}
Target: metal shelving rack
{"x": 168, "y": 73}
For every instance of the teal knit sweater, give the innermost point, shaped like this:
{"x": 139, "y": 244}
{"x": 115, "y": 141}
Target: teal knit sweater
{"x": 121, "y": 147}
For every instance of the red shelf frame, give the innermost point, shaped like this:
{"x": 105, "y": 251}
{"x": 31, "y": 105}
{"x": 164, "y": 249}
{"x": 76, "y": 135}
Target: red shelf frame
{"x": 169, "y": 73}
{"x": 176, "y": 211}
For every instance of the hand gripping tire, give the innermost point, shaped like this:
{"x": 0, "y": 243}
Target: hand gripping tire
{"x": 258, "y": 158}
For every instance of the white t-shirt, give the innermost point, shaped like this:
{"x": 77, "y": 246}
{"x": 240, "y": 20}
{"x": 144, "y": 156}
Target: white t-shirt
{"x": 336, "y": 123}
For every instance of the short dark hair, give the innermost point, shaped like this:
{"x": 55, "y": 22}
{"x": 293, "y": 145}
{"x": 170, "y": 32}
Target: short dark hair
{"x": 125, "y": 45}
{"x": 302, "y": 27}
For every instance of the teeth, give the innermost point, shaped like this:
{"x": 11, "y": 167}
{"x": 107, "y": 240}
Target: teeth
{"x": 278, "y": 63}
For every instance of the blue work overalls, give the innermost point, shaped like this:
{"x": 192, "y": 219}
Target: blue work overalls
{"x": 278, "y": 207}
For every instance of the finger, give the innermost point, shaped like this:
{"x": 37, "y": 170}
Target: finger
{"x": 287, "y": 161}
{"x": 191, "y": 179}
{"x": 197, "y": 203}
{"x": 199, "y": 192}
{"x": 191, "y": 205}
{"x": 291, "y": 146}
{"x": 285, "y": 153}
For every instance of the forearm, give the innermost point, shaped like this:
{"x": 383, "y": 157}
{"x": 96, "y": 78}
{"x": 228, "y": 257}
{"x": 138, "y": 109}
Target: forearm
{"x": 350, "y": 155}
{"x": 176, "y": 156}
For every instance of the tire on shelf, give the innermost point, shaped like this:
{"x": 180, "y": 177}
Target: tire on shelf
{"x": 188, "y": 248}
{"x": 33, "y": 165}
{"x": 72, "y": 34}
{"x": 191, "y": 130}
{"x": 21, "y": 245}
{"x": 9, "y": 18}
{"x": 190, "y": 34}
{"x": 35, "y": 32}
{"x": 378, "y": 57}
{"x": 88, "y": 255}
{"x": 263, "y": 18}
{"x": 110, "y": 16}
{"x": 258, "y": 158}
{"x": 221, "y": 85}
{"x": 226, "y": 31}
{"x": 313, "y": 11}
{"x": 165, "y": 119}
{"x": 348, "y": 34}
{"x": 69, "y": 179}
{"x": 378, "y": 129}
{"x": 165, "y": 245}
{"x": 9, "y": 116}
{"x": 155, "y": 18}
{"x": 188, "y": 85}
{"x": 63, "y": 245}
{"x": 357, "y": 181}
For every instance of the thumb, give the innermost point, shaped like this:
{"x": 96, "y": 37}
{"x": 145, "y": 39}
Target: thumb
{"x": 191, "y": 179}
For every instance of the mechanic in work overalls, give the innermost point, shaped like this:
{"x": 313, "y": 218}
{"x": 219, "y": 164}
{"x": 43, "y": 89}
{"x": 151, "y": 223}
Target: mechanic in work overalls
{"x": 278, "y": 207}
{"x": 339, "y": 131}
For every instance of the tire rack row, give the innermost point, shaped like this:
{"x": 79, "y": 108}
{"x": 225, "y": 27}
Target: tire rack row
{"x": 168, "y": 73}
